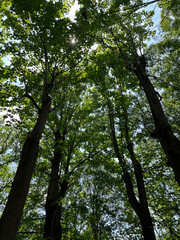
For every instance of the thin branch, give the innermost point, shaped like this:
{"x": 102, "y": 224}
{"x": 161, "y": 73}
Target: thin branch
{"x": 29, "y": 232}
{"x": 83, "y": 161}
{"x": 33, "y": 101}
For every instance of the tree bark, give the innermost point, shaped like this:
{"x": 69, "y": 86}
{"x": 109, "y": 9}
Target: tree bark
{"x": 56, "y": 193}
{"x": 53, "y": 229}
{"x": 163, "y": 131}
{"x": 14, "y": 207}
{"x": 144, "y": 214}
{"x": 141, "y": 210}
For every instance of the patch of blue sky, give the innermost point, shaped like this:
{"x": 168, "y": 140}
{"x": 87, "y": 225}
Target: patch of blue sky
{"x": 156, "y": 22}
{"x": 7, "y": 60}
{"x": 73, "y": 10}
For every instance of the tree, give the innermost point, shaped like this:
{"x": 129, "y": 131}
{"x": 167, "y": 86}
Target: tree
{"x": 68, "y": 137}
{"x": 125, "y": 40}
{"x": 37, "y": 70}
{"x": 87, "y": 103}
{"x": 111, "y": 90}
{"x": 140, "y": 206}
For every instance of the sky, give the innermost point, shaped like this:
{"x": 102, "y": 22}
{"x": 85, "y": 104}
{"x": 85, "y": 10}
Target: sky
{"x": 73, "y": 10}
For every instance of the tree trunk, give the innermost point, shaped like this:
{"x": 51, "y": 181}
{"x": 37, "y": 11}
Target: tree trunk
{"x": 141, "y": 210}
{"x": 169, "y": 142}
{"x": 141, "y": 206}
{"x": 147, "y": 226}
{"x": 14, "y": 207}
{"x": 53, "y": 229}
{"x": 144, "y": 214}
{"x": 53, "y": 209}
{"x": 56, "y": 193}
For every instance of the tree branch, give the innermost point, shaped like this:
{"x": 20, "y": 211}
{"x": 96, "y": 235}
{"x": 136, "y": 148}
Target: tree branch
{"x": 79, "y": 164}
{"x": 33, "y": 101}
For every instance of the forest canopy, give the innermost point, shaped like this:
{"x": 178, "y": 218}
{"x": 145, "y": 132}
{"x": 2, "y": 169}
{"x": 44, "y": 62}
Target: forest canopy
{"x": 90, "y": 120}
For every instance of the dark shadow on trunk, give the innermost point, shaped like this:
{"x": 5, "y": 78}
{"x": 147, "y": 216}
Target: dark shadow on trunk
{"x": 163, "y": 131}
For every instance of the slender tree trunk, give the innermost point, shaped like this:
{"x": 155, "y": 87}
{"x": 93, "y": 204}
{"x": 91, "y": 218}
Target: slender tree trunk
{"x": 13, "y": 210}
{"x": 141, "y": 209}
{"x": 141, "y": 206}
{"x": 163, "y": 131}
{"x": 56, "y": 193}
{"x": 147, "y": 226}
{"x": 94, "y": 218}
{"x": 95, "y": 232}
{"x": 144, "y": 214}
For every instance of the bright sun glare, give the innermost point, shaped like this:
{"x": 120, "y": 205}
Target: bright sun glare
{"x": 73, "y": 40}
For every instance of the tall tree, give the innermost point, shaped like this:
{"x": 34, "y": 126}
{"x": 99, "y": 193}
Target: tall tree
{"x": 123, "y": 33}
{"x": 140, "y": 206}
{"x": 37, "y": 40}
{"x": 67, "y": 119}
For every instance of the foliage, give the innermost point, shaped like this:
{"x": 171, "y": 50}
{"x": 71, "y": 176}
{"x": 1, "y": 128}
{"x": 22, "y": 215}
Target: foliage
{"x": 110, "y": 39}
